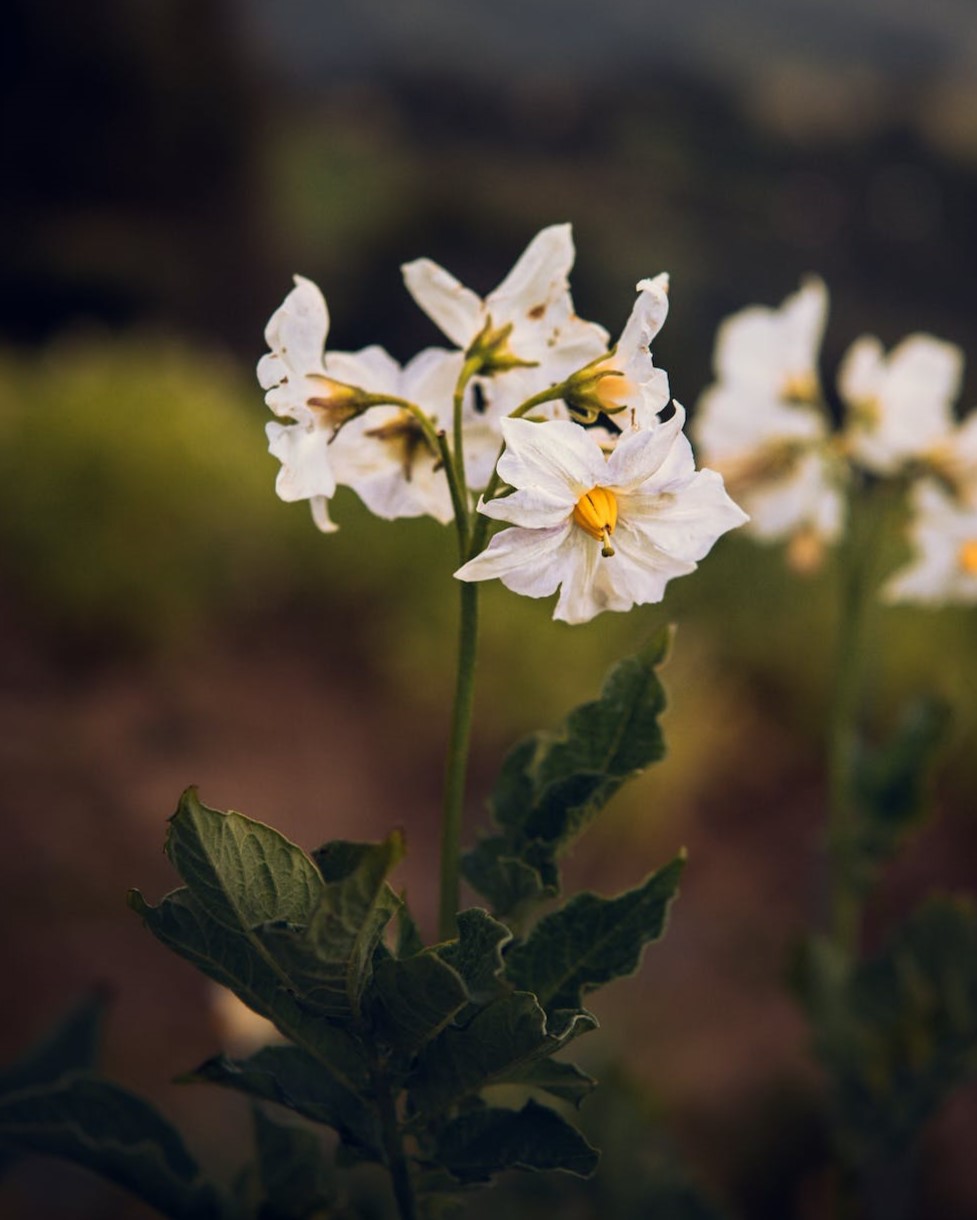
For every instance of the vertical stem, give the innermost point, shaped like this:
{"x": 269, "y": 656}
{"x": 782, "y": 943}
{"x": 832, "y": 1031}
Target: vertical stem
{"x": 855, "y": 584}
{"x": 394, "y": 1148}
{"x": 457, "y": 760}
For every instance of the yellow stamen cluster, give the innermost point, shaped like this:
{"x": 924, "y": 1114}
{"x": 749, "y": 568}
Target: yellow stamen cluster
{"x": 967, "y": 557}
{"x": 596, "y": 514}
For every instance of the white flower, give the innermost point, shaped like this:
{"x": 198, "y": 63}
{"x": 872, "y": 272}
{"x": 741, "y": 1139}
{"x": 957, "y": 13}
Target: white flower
{"x": 759, "y": 427}
{"x": 944, "y": 534}
{"x": 773, "y": 353}
{"x": 625, "y": 383}
{"x": 298, "y": 388}
{"x": 533, "y": 300}
{"x": 953, "y": 459}
{"x": 609, "y": 532}
{"x": 900, "y": 405}
{"x": 383, "y": 454}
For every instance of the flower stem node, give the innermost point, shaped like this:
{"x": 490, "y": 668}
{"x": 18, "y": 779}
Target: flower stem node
{"x": 596, "y": 514}
{"x": 336, "y": 403}
{"x": 490, "y": 352}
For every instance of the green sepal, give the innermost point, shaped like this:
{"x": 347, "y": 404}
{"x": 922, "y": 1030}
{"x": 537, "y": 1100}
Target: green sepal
{"x": 292, "y": 1078}
{"x": 899, "y": 1032}
{"x": 483, "y": 1142}
{"x": 551, "y": 785}
{"x": 592, "y": 940}
{"x": 240, "y": 962}
{"x": 293, "y": 1172}
{"x": 114, "y": 1133}
{"x": 499, "y": 1043}
{"x": 72, "y": 1045}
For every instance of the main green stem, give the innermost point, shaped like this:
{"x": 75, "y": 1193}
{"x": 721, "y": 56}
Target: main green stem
{"x": 457, "y": 760}
{"x": 844, "y": 911}
{"x": 397, "y": 1164}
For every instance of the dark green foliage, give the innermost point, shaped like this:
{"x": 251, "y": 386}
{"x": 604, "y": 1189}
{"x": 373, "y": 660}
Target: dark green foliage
{"x": 592, "y": 940}
{"x": 292, "y": 1172}
{"x": 482, "y": 1142}
{"x": 552, "y": 784}
{"x": 898, "y": 1032}
{"x": 71, "y": 1046}
{"x": 890, "y": 785}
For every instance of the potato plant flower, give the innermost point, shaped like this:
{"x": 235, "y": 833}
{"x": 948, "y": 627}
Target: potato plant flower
{"x": 943, "y": 533}
{"x": 608, "y": 531}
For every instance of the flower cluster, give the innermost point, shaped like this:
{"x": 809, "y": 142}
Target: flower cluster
{"x": 765, "y": 426}
{"x": 571, "y": 441}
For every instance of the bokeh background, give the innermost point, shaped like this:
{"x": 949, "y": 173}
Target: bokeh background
{"x": 167, "y": 165}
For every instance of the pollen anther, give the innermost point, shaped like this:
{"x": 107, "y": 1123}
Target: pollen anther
{"x": 596, "y": 514}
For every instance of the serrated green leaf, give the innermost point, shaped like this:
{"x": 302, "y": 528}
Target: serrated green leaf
{"x": 592, "y": 940}
{"x": 417, "y": 996}
{"x": 478, "y": 1144}
{"x": 71, "y": 1046}
{"x": 292, "y": 1170}
{"x": 241, "y": 963}
{"x": 104, "y": 1128}
{"x": 355, "y": 907}
{"x": 552, "y": 784}
{"x": 292, "y": 1078}
{"x": 563, "y": 1080}
{"x": 500, "y": 1040}
{"x": 899, "y": 1033}
{"x": 477, "y": 953}
{"x": 240, "y": 871}
{"x": 890, "y": 785}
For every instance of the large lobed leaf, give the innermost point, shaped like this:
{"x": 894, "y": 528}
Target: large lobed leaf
{"x": 104, "y": 1128}
{"x": 552, "y": 784}
{"x": 592, "y": 940}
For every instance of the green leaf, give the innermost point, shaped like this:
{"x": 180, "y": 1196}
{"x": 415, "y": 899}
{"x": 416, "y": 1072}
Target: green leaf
{"x": 241, "y": 872}
{"x": 240, "y": 962}
{"x": 355, "y": 907}
{"x": 891, "y": 786}
{"x": 500, "y": 1041}
{"x": 552, "y": 784}
{"x": 477, "y": 953}
{"x": 899, "y": 1032}
{"x": 289, "y": 1076}
{"x": 108, "y": 1130}
{"x": 592, "y": 940}
{"x": 72, "y": 1045}
{"x": 482, "y": 1142}
{"x": 408, "y": 938}
{"x": 418, "y": 996}
{"x": 563, "y": 1080}
{"x": 293, "y": 1171}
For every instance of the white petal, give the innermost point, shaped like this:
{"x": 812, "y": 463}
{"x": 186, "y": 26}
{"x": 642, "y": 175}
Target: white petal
{"x": 684, "y": 523}
{"x": 527, "y": 561}
{"x": 297, "y": 330}
{"x": 455, "y": 308}
{"x": 429, "y": 380}
{"x": 320, "y": 514}
{"x": 639, "y": 456}
{"x": 530, "y": 507}
{"x": 557, "y": 457}
{"x": 371, "y": 369}
{"x": 306, "y": 461}
{"x": 766, "y": 348}
{"x": 539, "y": 275}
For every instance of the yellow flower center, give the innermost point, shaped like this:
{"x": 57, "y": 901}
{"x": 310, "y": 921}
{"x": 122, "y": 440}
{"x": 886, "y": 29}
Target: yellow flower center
{"x": 801, "y": 387}
{"x": 596, "y": 514}
{"x": 967, "y": 557}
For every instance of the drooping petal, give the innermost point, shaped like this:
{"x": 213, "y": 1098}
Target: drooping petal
{"x": 447, "y": 302}
{"x": 306, "y": 461}
{"x": 296, "y": 331}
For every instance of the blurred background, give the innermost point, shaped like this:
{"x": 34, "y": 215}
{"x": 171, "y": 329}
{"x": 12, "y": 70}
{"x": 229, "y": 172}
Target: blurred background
{"x": 165, "y": 620}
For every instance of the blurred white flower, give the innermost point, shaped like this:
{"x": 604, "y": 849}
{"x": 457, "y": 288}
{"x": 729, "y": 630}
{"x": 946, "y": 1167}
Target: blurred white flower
{"x": 608, "y": 531}
{"x": 944, "y": 535}
{"x": 900, "y": 404}
{"x": 241, "y": 1030}
{"x": 761, "y": 426}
